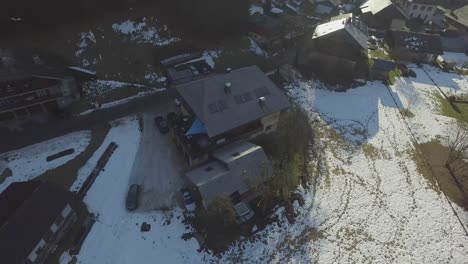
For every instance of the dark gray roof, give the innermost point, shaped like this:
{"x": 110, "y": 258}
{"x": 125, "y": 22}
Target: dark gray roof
{"x": 238, "y": 167}
{"x": 416, "y": 42}
{"x": 383, "y": 65}
{"x": 27, "y": 210}
{"x": 220, "y": 111}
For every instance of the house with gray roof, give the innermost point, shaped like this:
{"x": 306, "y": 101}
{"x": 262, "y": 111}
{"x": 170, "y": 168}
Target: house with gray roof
{"x": 336, "y": 46}
{"x": 34, "y": 216}
{"x": 234, "y": 170}
{"x": 237, "y": 105}
{"x": 381, "y": 13}
{"x": 413, "y": 46}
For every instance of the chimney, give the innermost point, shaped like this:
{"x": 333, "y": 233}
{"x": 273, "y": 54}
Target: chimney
{"x": 228, "y": 70}
{"x": 227, "y": 88}
{"x": 262, "y": 101}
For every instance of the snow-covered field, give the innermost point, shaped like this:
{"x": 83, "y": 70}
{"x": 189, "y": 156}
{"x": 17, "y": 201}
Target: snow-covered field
{"x": 147, "y": 30}
{"x": 29, "y": 162}
{"x": 369, "y": 204}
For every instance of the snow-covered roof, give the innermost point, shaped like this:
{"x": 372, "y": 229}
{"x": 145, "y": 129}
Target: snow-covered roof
{"x": 352, "y": 24}
{"x": 459, "y": 59}
{"x": 417, "y": 42}
{"x": 375, "y": 6}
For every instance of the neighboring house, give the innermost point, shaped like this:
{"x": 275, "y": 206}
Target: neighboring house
{"x": 233, "y": 171}
{"x": 458, "y": 19}
{"x": 325, "y": 7}
{"x": 24, "y": 92}
{"x": 381, "y": 69}
{"x": 381, "y": 13}
{"x": 34, "y": 217}
{"x": 420, "y": 9}
{"x": 238, "y": 105}
{"x": 335, "y": 46}
{"x": 415, "y": 47}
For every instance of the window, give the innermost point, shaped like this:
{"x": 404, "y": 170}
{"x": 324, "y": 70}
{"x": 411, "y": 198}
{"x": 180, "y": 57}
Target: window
{"x": 48, "y": 236}
{"x": 59, "y": 220}
{"x": 268, "y": 128}
{"x": 422, "y": 8}
{"x": 415, "y": 7}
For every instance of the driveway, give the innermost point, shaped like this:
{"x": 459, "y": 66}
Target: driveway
{"x": 158, "y": 167}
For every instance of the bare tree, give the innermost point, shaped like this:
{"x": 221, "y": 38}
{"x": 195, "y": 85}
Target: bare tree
{"x": 458, "y": 150}
{"x": 222, "y": 208}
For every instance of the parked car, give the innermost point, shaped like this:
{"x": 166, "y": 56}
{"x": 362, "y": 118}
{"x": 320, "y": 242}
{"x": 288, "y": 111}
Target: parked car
{"x": 188, "y": 200}
{"x": 132, "y": 197}
{"x": 161, "y": 123}
{"x": 171, "y": 119}
{"x": 243, "y": 212}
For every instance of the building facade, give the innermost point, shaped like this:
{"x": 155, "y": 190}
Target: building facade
{"x": 22, "y": 95}
{"x": 424, "y": 10}
{"x": 35, "y": 217}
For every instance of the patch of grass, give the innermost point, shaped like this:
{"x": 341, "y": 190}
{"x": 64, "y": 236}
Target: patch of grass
{"x": 370, "y": 151}
{"x": 393, "y": 75}
{"x": 454, "y": 186}
{"x": 458, "y": 111}
{"x": 66, "y": 174}
{"x": 406, "y": 113}
{"x": 67, "y": 240}
{"x": 379, "y": 54}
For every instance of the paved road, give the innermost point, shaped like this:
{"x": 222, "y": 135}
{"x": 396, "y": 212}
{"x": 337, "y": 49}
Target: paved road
{"x": 158, "y": 167}
{"x": 41, "y": 130}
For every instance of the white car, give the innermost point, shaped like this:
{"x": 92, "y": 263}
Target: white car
{"x": 188, "y": 201}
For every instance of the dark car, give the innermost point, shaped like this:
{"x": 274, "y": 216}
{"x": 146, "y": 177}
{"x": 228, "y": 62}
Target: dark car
{"x": 132, "y": 197}
{"x": 161, "y": 123}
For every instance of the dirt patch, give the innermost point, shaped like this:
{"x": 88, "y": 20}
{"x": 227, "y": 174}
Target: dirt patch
{"x": 5, "y": 174}
{"x": 454, "y": 186}
{"x": 66, "y": 174}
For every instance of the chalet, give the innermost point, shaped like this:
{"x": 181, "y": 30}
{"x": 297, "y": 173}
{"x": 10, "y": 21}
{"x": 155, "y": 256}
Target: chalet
{"x": 34, "y": 217}
{"x": 237, "y": 105}
{"x": 24, "y": 92}
{"x": 414, "y": 47}
{"x": 336, "y": 46}
{"x": 419, "y": 9}
{"x": 380, "y": 14}
{"x": 233, "y": 171}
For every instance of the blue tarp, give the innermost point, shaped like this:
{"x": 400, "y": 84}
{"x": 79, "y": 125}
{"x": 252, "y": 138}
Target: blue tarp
{"x": 196, "y": 128}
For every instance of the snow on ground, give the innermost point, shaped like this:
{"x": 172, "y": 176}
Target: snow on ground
{"x": 122, "y": 101}
{"x": 116, "y": 237}
{"x": 256, "y": 9}
{"x": 154, "y": 77}
{"x": 146, "y": 31}
{"x": 255, "y": 48}
{"x": 419, "y": 96}
{"x": 101, "y": 87}
{"x": 82, "y": 70}
{"x": 449, "y": 83}
{"x": 86, "y": 39}
{"x": 29, "y": 162}
{"x": 459, "y": 59}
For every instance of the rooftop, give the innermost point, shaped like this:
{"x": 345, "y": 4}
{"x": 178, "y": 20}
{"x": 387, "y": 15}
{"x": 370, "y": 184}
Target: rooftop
{"x": 27, "y": 210}
{"x": 221, "y": 109}
{"x": 237, "y": 167}
{"x": 460, "y": 15}
{"x": 416, "y": 42}
{"x": 352, "y": 24}
{"x": 375, "y": 6}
